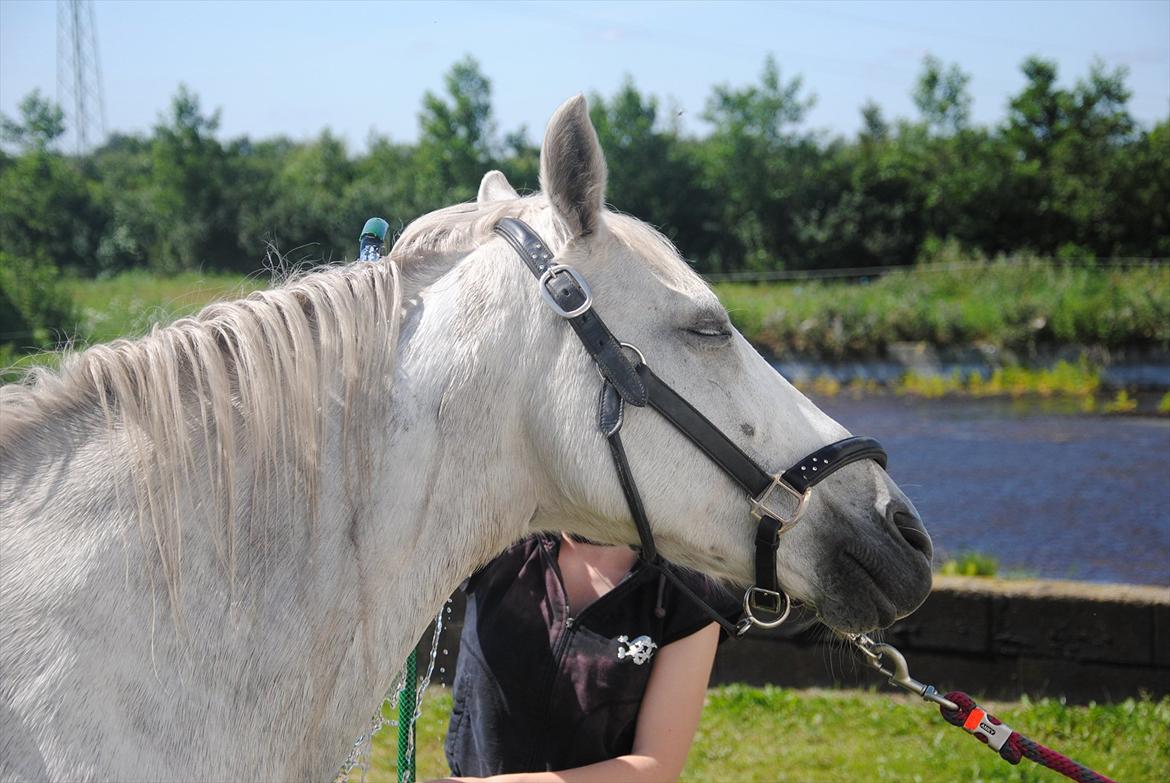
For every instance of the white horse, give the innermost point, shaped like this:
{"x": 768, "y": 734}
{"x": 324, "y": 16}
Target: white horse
{"x": 220, "y": 541}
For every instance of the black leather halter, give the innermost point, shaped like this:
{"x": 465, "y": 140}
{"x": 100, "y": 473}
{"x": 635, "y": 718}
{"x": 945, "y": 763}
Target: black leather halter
{"x": 627, "y": 381}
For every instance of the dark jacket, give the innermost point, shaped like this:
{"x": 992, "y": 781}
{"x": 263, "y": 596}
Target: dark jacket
{"x": 536, "y": 689}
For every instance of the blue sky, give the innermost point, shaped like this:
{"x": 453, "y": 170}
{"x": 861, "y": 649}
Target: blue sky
{"x": 296, "y": 68}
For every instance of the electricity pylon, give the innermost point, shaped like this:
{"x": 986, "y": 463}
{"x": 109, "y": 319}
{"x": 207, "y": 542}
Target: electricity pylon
{"x": 79, "y": 73}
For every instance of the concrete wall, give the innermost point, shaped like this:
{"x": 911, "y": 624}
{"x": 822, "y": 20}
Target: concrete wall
{"x": 993, "y": 638}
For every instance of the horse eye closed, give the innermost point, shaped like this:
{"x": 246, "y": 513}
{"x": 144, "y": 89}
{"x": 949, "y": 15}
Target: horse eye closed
{"x": 708, "y": 332}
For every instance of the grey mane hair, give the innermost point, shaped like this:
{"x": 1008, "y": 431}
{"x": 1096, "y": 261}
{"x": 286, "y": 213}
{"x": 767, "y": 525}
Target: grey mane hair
{"x": 242, "y": 388}
{"x": 458, "y": 228}
{"x": 246, "y": 387}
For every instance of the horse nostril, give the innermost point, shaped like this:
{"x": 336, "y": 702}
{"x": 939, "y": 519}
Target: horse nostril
{"x": 907, "y": 525}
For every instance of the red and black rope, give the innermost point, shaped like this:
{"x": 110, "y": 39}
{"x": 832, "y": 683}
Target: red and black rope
{"x": 1015, "y": 746}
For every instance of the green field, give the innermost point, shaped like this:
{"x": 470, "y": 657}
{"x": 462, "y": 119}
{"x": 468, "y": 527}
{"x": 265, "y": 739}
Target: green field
{"x": 1018, "y": 307}
{"x": 1014, "y": 309}
{"x": 771, "y": 734}
{"x": 130, "y": 303}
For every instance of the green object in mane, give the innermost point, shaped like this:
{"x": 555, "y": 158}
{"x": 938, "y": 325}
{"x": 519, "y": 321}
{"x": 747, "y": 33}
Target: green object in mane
{"x": 372, "y": 240}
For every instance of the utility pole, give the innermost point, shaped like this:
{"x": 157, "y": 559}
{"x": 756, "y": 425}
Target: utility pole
{"x": 79, "y": 73}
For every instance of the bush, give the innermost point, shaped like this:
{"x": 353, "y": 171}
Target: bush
{"x": 36, "y": 310}
{"x": 969, "y": 564}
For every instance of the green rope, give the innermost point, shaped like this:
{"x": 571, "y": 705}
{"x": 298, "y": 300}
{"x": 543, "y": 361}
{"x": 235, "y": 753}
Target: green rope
{"x": 406, "y": 708}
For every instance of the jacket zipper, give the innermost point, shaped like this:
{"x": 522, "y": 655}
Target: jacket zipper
{"x": 571, "y": 624}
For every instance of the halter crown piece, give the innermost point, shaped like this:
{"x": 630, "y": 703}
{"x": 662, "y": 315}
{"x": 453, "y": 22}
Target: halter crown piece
{"x": 631, "y": 381}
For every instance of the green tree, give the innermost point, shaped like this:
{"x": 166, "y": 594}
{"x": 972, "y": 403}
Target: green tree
{"x": 942, "y": 97}
{"x": 36, "y": 311}
{"x": 456, "y": 137}
{"x": 47, "y": 210}
{"x": 651, "y": 173}
{"x": 41, "y": 123}
{"x": 193, "y": 223}
{"x": 1066, "y": 145}
{"x": 758, "y": 163}
{"x": 521, "y": 161}
{"x": 305, "y": 216}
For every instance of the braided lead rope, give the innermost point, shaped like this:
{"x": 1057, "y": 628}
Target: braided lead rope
{"x": 1010, "y": 744}
{"x": 406, "y": 718}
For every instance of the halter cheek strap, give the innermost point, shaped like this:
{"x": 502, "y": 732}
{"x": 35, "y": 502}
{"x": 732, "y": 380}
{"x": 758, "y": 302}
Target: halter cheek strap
{"x": 565, "y": 291}
{"x": 568, "y": 295}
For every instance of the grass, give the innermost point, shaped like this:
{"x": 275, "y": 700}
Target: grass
{"x": 128, "y": 304}
{"x": 969, "y": 564}
{"x": 1018, "y": 306}
{"x": 1011, "y": 306}
{"x": 819, "y": 736}
{"x": 1064, "y": 379}
{"x": 1078, "y": 385}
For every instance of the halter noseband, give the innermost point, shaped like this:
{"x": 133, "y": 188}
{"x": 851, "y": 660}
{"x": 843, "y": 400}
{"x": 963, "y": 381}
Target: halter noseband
{"x": 566, "y": 292}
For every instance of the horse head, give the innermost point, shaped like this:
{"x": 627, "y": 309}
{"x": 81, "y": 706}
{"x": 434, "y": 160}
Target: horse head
{"x": 860, "y": 554}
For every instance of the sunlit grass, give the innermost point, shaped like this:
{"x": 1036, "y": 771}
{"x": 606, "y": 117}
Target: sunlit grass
{"x": 1064, "y": 379}
{"x": 819, "y": 736}
{"x": 969, "y": 564}
{"x": 1005, "y": 306}
{"x": 128, "y": 304}
{"x": 1078, "y": 383}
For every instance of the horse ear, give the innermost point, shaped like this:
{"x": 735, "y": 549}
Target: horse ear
{"x": 572, "y": 167}
{"x": 494, "y": 187}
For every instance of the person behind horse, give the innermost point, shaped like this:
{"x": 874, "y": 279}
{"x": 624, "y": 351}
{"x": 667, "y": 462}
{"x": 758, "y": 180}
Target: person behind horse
{"x": 578, "y": 662}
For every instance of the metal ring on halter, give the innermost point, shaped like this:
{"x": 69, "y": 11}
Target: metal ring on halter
{"x": 551, "y": 272}
{"x": 634, "y": 348}
{"x": 760, "y": 508}
{"x": 747, "y": 607}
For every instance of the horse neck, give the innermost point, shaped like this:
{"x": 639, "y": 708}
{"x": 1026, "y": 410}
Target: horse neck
{"x": 454, "y": 489}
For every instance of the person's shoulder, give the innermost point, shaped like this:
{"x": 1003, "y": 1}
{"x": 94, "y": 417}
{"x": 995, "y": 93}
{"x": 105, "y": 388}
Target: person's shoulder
{"x": 717, "y": 593}
{"x": 684, "y": 616}
{"x": 511, "y": 559}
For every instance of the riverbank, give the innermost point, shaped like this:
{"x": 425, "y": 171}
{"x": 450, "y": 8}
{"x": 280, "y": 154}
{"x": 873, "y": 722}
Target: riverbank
{"x": 1004, "y": 312}
{"x": 1061, "y": 387}
{"x": 1097, "y": 335}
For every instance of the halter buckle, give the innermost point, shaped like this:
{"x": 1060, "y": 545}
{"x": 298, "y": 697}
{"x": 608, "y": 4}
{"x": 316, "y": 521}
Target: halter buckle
{"x": 551, "y": 301}
{"x": 760, "y": 507}
{"x": 752, "y": 600}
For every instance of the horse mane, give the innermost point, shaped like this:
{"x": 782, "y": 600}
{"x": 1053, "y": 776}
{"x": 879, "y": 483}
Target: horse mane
{"x": 243, "y": 386}
{"x": 457, "y": 229}
{"x": 247, "y": 387}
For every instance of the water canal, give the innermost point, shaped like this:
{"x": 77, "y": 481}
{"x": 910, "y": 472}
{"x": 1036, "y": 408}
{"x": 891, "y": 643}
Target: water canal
{"x": 1047, "y": 494}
